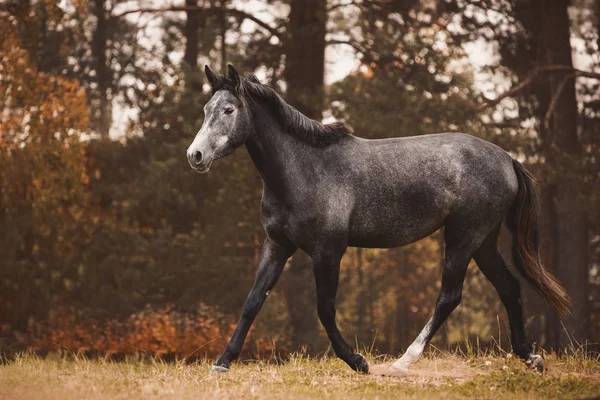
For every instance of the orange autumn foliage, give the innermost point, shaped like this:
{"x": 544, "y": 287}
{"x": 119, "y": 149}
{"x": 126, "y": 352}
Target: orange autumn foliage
{"x": 43, "y": 118}
{"x": 38, "y": 107}
{"x": 155, "y": 333}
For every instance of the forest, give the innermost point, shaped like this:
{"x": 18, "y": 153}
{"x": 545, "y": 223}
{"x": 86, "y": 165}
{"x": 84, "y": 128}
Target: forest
{"x": 111, "y": 245}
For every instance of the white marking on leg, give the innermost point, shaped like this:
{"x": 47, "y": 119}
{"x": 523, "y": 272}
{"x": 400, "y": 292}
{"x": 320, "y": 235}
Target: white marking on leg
{"x": 414, "y": 351}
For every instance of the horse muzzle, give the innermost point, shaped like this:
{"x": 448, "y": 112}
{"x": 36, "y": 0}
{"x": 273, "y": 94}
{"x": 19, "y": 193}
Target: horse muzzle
{"x": 198, "y": 161}
{"x": 201, "y": 168}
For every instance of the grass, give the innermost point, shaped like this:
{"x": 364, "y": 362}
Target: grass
{"x": 438, "y": 375}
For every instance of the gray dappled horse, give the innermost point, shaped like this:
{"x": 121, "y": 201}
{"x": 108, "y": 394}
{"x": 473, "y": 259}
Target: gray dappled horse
{"x": 325, "y": 189}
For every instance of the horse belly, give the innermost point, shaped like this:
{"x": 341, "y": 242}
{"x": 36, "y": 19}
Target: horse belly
{"x": 388, "y": 229}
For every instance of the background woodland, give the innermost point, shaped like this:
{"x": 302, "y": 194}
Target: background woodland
{"x": 110, "y": 244}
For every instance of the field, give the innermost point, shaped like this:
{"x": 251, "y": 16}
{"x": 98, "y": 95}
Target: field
{"x": 438, "y": 375}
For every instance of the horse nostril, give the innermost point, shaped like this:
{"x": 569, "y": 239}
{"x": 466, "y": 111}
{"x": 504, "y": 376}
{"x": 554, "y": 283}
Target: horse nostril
{"x": 197, "y": 157}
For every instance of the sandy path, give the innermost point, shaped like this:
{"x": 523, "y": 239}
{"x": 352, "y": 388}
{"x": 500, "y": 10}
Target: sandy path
{"x": 430, "y": 371}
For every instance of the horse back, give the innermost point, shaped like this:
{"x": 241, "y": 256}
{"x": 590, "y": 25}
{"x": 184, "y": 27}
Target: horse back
{"x": 404, "y": 189}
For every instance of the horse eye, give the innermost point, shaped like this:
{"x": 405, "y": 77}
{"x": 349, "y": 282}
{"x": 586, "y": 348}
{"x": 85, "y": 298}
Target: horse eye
{"x": 228, "y": 110}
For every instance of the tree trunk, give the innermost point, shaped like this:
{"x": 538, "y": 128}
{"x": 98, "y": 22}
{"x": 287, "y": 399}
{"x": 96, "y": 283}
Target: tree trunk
{"x": 305, "y": 56}
{"x": 223, "y": 26}
{"x": 547, "y": 42}
{"x": 402, "y": 323}
{"x": 193, "y": 79}
{"x": 570, "y": 222}
{"x": 540, "y": 320}
{"x": 102, "y": 118}
{"x": 598, "y": 23}
{"x": 304, "y": 69}
{"x": 301, "y": 298}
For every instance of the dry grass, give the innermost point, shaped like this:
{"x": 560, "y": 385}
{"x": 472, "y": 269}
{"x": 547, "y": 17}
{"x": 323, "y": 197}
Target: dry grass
{"x": 440, "y": 375}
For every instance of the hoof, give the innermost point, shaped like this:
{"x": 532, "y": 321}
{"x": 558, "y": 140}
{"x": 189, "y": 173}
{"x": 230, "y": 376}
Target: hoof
{"x": 536, "y": 362}
{"x": 359, "y": 364}
{"x": 217, "y": 369}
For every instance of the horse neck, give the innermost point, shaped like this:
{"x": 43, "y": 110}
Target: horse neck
{"x": 276, "y": 154}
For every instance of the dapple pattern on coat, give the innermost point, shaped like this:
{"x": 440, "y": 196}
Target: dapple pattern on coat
{"x": 325, "y": 189}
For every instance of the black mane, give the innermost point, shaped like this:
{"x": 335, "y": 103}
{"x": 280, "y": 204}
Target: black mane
{"x": 292, "y": 120}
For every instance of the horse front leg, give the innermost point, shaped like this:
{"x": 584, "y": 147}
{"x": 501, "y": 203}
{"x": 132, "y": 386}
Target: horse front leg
{"x": 273, "y": 257}
{"x": 326, "y": 265}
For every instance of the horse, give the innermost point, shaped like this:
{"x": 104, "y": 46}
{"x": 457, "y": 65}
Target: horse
{"x": 325, "y": 189}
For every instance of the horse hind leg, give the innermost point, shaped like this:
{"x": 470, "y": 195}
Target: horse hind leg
{"x": 492, "y": 265}
{"x": 459, "y": 251}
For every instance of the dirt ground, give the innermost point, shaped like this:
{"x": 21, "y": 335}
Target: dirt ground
{"x": 435, "y": 376}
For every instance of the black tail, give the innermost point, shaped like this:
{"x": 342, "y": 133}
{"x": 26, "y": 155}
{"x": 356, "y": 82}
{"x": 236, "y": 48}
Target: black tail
{"x": 523, "y": 222}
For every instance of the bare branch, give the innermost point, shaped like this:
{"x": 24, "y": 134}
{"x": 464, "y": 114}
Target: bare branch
{"x": 144, "y": 10}
{"x": 341, "y": 5}
{"x": 510, "y": 93}
{"x": 534, "y": 75}
{"x": 555, "y": 99}
{"x": 262, "y": 24}
{"x": 354, "y": 45}
{"x": 513, "y": 123}
{"x": 214, "y": 11}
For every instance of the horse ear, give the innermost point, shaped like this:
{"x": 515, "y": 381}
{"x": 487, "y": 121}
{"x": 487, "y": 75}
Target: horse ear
{"x": 233, "y": 75}
{"x": 210, "y": 75}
